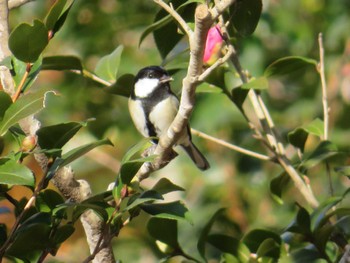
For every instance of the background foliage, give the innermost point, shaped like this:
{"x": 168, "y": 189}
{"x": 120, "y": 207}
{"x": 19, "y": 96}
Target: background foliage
{"x": 259, "y": 207}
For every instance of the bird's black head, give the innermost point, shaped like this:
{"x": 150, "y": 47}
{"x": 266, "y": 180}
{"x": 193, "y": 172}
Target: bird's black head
{"x": 150, "y": 79}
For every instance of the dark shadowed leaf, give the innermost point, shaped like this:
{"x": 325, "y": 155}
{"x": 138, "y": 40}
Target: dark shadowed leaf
{"x": 14, "y": 173}
{"x": 255, "y": 238}
{"x": 269, "y": 248}
{"x": 246, "y": 15}
{"x": 130, "y": 168}
{"x": 107, "y": 67}
{"x": 278, "y": 185}
{"x": 298, "y": 138}
{"x": 226, "y": 244}
{"x": 301, "y": 224}
{"x": 27, "y": 42}
{"x": 238, "y": 97}
{"x": 5, "y": 102}
{"x": 25, "y": 106}
{"x": 147, "y": 196}
{"x": 164, "y": 230}
{"x": 62, "y": 233}
{"x": 203, "y": 237}
{"x": 48, "y": 199}
{"x": 288, "y": 65}
{"x": 164, "y": 186}
{"x": 174, "y": 210}
{"x": 61, "y": 63}
{"x": 123, "y": 85}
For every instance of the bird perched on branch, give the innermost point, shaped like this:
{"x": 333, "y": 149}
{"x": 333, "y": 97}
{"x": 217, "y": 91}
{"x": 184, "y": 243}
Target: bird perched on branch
{"x": 153, "y": 107}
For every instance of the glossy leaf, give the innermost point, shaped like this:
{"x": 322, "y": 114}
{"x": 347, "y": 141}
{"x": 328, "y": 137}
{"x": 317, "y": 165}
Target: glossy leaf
{"x": 324, "y": 151}
{"x": 48, "y": 200}
{"x": 277, "y": 186}
{"x": 107, "y": 67}
{"x": 269, "y": 248}
{"x": 123, "y": 86}
{"x": 165, "y": 186}
{"x": 54, "y": 13}
{"x": 5, "y": 103}
{"x": 61, "y": 63}
{"x": 246, "y": 15}
{"x": 255, "y": 238}
{"x": 25, "y": 106}
{"x": 203, "y": 237}
{"x": 27, "y": 42}
{"x": 56, "y": 136}
{"x": 289, "y": 65}
{"x": 164, "y": 230}
{"x": 14, "y": 173}
{"x": 226, "y": 244}
{"x": 175, "y": 210}
{"x": 256, "y": 84}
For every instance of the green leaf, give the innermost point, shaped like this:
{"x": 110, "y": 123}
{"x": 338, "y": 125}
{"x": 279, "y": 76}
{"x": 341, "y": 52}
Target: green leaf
{"x": 324, "y": 151}
{"x": 165, "y": 186}
{"x": 343, "y": 170}
{"x": 226, "y": 244}
{"x": 203, "y": 237}
{"x": 61, "y": 63}
{"x": 25, "y": 106}
{"x": 82, "y": 150}
{"x": 277, "y": 186}
{"x": 238, "y": 97}
{"x": 322, "y": 236}
{"x": 48, "y": 200}
{"x": 139, "y": 147}
{"x": 145, "y": 197}
{"x": 14, "y": 173}
{"x": 301, "y": 224}
{"x": 255, "y": 238}
{"x": 62, "y": 233}
{"x": 123, "y": 86}
{"x": 246, "y": 15}
{"x": 298, "y": 138}
{"x": 256, "y": 84}
{"x": 269, "y": 248}
{"x": 315, "y": 127}
{"x": 174, "y": 210}
{"x": 57, "y": 15}
{"x": 27, "y": 42}
{"x": 107, "y": 67}
{"x": 288, "y": 65}
{"x": 5, "y": 103}
{"x": 320, "y": 212}
{"x": 56, "y": 136}
{"x": 208, "y": 88}
{"x": 129, "y": 169}
{"x": 164, "y": 230}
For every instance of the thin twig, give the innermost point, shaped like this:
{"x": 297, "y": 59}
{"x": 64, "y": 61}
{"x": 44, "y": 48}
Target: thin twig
{"x": 324, "y": 87}
{"x": 87, "y": 74}
{"x": 230, "y": 146}
{"x": 21, "y": 84}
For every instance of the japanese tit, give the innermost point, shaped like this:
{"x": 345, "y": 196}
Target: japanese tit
{"x": 153, "y": 107}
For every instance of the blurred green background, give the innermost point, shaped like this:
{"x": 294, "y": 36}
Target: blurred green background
{"x": 235, "y": 181}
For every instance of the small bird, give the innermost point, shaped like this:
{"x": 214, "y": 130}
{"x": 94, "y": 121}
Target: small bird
{"x": 153, "y": 107}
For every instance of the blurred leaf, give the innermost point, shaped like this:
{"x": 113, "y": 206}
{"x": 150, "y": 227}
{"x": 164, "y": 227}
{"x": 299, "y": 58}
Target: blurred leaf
{"x": 246, "y": 15}
{"x": 208, "y": 88}
{"x": 107, "y": 67}
{"x": 256, "y": 84}
{"x": 226, "y": 244}
{"x": 315, "y": 127}
{"x": 298, "y": 138}
{"x": 164, "y": 230}
{"x": 54, "y": 13}
{"x": 3, "y": 234}
{"x": 324, "y": 151}
{"x": 7, "y": 62}
{"x": 203, "y": 237}
{"x": 27, "y": 42}
{"x": 339, "y": 212}
{"x": 301, "y": 224}
{"x": 278, "y": 185}
{"x": 238, "y": 97}
{"x": 256, "y": 238}
{"x": 74, "y": 154}
{"x": 48, "y": 199}
{"x": 165, "y": 186}
{"x": 343, "y": 170}
{"x": 174, "y": 210}
{"x": 320, "y": 212}
{"x": 62, "y": 233}
{"x": 322, "y": 236}
{"x": 25, "y": 106}
{"x": 123, "y": 86}
{"x": 288, "y": 65}
{"x": 59, "y": 23}
{"x": 5, "y": 103}
{"x": 56, "y": 136}
{"x": 308, "y": 254}
{"x": 14, "y": 173}
{"x": 61, "y": 63}
{"x": 269, "y": 248}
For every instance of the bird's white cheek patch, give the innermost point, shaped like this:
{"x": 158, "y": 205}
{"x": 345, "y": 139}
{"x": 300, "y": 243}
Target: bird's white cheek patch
{"x": 144, "y": 87}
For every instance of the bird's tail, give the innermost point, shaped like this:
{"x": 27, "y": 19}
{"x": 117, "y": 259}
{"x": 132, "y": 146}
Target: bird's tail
{"x": 196, "y": 156}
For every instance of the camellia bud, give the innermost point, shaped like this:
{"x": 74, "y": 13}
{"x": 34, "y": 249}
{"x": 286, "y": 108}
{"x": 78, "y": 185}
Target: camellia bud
{"x": 29, "y": 143}
{"x": 213, "y": 46}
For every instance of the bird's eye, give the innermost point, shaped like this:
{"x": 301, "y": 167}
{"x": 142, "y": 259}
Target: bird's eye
{"x": 150, "y": 75}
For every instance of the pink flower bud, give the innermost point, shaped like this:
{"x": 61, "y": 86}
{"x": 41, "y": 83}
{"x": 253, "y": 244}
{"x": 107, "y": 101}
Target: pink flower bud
{"x": 213, "y": 45}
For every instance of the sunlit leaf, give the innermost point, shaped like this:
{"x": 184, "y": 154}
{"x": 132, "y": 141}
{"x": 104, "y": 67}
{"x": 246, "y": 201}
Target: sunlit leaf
{"x": 107, "y": 67}
{"x": 164, "y": 186}
{"x": 25, "y": 106}
{"x": 256, "y": 84}
{"x": 14, "y": 173}
{"x": 289, "y": 65}
{"x": 164, "y": 230}
{"x": 27, "y": 42}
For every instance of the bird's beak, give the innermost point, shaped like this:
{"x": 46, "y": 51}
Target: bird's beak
{"x": 165, "y": 79}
